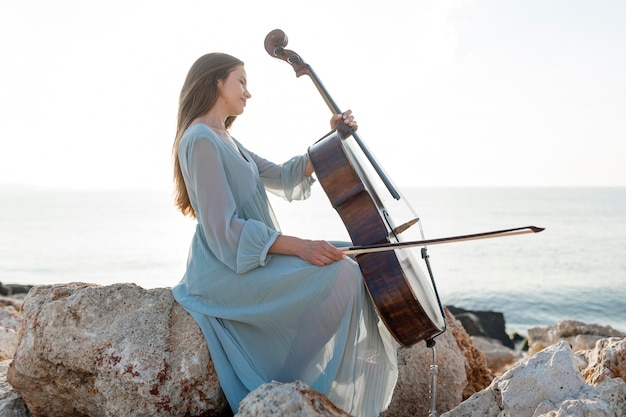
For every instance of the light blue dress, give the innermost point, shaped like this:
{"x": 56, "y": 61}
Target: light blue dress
{"x": 269, "y": 317}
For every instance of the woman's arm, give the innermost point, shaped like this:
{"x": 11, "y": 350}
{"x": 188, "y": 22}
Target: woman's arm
{"x": 240, "y": 244}
{"x": 308, "y": 170}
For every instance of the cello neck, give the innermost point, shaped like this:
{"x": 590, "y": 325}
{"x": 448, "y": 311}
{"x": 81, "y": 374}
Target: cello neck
{"x": 275, "y": 43}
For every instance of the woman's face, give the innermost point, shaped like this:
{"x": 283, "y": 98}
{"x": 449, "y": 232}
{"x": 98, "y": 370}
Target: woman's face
{"x": 233, "y": 91}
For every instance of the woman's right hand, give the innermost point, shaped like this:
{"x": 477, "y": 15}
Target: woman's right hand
{"x": 317, "y": 252}
{"x": 320, "y": 252}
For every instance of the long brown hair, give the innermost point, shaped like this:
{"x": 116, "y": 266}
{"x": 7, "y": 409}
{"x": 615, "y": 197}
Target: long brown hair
{"x": 197, "y": 97}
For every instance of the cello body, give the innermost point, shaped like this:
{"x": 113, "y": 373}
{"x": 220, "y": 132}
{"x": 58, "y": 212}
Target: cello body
{"x": 405, "y": 299}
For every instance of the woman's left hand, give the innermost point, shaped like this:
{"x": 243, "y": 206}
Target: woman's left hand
{"x": 348, "y": 120}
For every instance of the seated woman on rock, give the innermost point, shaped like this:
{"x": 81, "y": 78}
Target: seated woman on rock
{"x": 272, "y": 307}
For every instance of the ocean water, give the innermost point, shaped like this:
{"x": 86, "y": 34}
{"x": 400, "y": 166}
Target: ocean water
{"x": 574, "y": 269}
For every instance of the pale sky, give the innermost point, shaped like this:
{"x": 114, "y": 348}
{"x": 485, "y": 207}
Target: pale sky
{"x": 447, "y": 93}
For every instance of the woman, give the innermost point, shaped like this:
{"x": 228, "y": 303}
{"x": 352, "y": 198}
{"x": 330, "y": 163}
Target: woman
{"x": 272, "y": 307}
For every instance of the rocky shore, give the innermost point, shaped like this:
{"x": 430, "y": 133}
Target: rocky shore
{"x": 121, "y": 350}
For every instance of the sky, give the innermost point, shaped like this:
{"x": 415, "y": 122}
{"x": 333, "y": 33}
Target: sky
{"x": 446, "y": 92}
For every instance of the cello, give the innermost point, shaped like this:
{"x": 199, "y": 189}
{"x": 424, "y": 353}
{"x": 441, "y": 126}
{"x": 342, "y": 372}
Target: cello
{"x": 406, "y": 301}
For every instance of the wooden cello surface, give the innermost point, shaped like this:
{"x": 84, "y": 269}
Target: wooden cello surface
{"x": 405, "y": 299}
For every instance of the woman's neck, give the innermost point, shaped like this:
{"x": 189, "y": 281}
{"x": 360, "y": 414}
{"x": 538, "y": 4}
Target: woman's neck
{"x": 218, "y": 126}
{"x": 216, "y": 122}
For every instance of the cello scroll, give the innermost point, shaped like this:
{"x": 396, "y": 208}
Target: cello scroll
{"x": 275, "y": 43}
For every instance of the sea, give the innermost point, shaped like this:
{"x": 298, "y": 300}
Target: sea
{"x": 575, "y": 269}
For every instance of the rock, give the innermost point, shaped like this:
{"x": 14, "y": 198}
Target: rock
{"x": 411, "y": 395}
{"x": 548, "y": 384}
{"x": 579, "y": 335}
{"x": 498, "y": 356}
{"x": 606, "y": 360}
{"x": 92, "y": 350}
{"x": 10, "y": 317}
{"x": 478, "y": 374}
{"x": 119, "y": 350}
{"x": 11, "y": 404}
{"x": 10, "y": 322}
{"x": 8, "y": 343}
{"x": 124, "y": 351}
{"x": 461, "y": 371}
{"x": 295, "y": 399}
{"x": 520, "y": 342}
{"x": 488, "y": 324}
{"x": 11, "y": 289}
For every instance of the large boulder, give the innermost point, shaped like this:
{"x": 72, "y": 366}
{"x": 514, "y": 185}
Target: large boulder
{"x": 119, "y": 350}
{"x": 549, "y": 384}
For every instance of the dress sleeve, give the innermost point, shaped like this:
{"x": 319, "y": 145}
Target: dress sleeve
{"x": 239, "y": 243}
{"x": 286, "y": 180}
